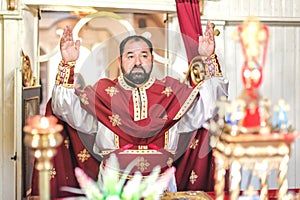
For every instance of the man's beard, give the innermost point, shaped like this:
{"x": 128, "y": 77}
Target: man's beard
{"x": 137, "y": 77}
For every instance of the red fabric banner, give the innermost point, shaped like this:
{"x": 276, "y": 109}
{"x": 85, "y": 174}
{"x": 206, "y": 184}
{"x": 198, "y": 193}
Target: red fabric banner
{"x": 188, "y": 13}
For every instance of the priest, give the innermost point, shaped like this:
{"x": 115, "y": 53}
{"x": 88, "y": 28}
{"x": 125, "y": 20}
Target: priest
{"x": 136, "y": 116}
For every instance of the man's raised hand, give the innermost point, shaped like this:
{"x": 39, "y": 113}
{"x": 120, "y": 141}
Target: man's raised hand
{"x": 207, "y": 41}
{"x": 68, "y": 48}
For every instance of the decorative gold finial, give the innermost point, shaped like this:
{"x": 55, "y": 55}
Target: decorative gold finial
{"x": 253, "y": 36}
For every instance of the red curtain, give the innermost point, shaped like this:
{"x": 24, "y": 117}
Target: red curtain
{"x": 195, "y": 168}
{"x": 188, "y": 12}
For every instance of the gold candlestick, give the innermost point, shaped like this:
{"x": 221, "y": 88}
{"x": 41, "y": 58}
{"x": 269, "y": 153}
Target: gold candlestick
{"x": 43, "y": 137}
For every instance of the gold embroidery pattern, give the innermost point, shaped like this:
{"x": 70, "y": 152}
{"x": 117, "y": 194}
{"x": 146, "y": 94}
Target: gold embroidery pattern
{"x": 189, "y": 101}
{"x": 168, "y": 91}
{"x": 140, "y": 151}
{"x": 166, "y": 139}
{"x": 83, "y": 155}
{"x": 140, "y": 103}
{"x": 193, "y": 177}
{"x": 117, "y": 143}
{"x": 115, "y": 120}
{"x": 52, "y": 173}
{"x": 64, "y": 73}
{"x": 194, "y": 144}
{"x": 84, "y": 99}
{"x": 142, "y": 164}
{"x": 111, "y": 91}
{"x": 67, "y": 143}
{"x": 144, "y": 99}
{"x": 136, "y": 105}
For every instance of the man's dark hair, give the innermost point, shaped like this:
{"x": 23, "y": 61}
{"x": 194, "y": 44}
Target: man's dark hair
{"x": 135, "y": 38}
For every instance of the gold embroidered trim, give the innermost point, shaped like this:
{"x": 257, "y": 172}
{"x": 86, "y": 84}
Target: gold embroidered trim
{"x": 202, "y": 68}
{"x": 140, "y": 151}
{"x": 106, "y": 152}
{"x": 140, "y": 103}
{"x": 69, "y": 64}
{"x": 136, "y": 105}
{"x": 189, "y": 101}
{"x": 142, "y": 147}
{"x": 63, "y": 74}
{"x": 166, "y": 139}
{"x": 144, "y": 99}
{"x": 212, "y": 66}
{"x": 117, "y": 142}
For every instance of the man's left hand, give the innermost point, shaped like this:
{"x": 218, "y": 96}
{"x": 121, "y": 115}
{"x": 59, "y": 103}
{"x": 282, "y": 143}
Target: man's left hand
{"x": 207, "y": 41}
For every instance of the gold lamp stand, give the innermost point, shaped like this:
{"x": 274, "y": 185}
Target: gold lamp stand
{"x": 43, "y": 137}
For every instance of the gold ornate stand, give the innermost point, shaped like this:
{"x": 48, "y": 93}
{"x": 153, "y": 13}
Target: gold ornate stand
{"x": 258, "y": 153}
{"x": 43, "y": 137}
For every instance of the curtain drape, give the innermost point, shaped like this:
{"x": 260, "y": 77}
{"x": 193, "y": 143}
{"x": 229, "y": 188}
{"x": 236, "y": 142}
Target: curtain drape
{"x": 195, "y": 167}
{"x": 188, "y": 13}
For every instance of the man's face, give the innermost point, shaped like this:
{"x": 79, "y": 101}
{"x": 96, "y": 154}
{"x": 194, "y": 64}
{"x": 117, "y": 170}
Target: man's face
{"x": 137, "y": 62}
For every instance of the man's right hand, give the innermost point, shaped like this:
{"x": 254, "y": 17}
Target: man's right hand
{"x": 68, "y": 48}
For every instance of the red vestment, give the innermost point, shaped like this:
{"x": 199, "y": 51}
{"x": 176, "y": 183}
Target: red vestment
{"x": 167, "y": 101}
{"x": 164, "y": 101}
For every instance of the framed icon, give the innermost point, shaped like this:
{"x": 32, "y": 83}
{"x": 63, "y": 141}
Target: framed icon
{"x": 31, "y": 107}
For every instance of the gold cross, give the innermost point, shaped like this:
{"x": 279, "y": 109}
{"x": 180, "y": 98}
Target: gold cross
{"x": 83, "y": 155}
{"x": 111, "y": 91}
{"x": 142, "y": 164}
{"x": 84, "y": 99}
{"x": 115, "y": 120}
{"x": 193, "y": 177}
{"x": 168, "y": 91}
{"x": 52, "y": 173}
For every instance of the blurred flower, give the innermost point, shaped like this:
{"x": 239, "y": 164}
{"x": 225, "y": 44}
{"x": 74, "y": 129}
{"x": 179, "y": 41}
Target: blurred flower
{"x": 112, "y": 187}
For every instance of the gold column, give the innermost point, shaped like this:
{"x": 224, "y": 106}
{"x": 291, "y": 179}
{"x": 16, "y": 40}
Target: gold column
{"x": 282, "y": 179}
{"x": 220, "y": 172}
{"x": 43, "y": 137}
{"x": 264, "y": 185}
